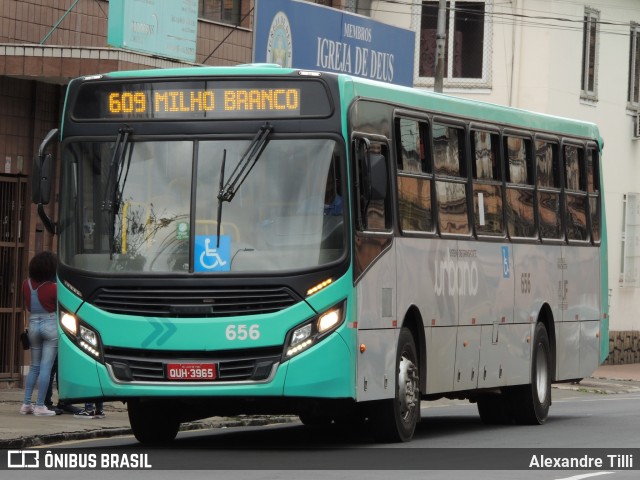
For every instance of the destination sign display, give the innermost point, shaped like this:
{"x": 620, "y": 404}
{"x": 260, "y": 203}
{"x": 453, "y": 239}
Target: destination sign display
{"x": 200, "y": 100}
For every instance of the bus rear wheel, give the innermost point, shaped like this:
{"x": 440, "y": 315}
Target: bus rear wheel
{"x": 530, "y": 403}
{"x": 395, "y": 420}
{"x": 153, "y": 422}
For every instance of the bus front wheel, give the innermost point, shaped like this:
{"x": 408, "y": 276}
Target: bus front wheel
{"x": 530, "y": 403}
{"x": 153, "y": 422}
{"x": 395, "y": 420}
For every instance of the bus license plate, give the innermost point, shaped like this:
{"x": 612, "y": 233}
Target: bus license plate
{"x": 191, "y": 371}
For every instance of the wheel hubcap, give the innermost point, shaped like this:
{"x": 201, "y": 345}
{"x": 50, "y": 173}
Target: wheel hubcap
{"x": 408, "y": 387}
{"x": 541, "y": 373}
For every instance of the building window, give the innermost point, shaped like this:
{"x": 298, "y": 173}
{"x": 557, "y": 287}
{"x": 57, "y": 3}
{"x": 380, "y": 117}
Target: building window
{"x": 362, "y": 7}
{"x": 590, "y": 37}
{"x": 467, "y": 44}
{"x": 224, "y": 11}
{"x": 634, "y": 67}
{"x": 630, "y": 255}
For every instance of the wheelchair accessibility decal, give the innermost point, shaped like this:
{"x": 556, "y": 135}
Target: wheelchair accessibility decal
{"x": 506, "y": 269}
{"x": 209, "y": 256}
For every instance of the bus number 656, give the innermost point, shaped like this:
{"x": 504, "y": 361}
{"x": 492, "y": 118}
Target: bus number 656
{"x": 241, "y": 332}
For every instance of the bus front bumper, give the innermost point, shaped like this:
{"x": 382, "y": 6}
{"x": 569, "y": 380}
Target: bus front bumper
{"x": 326, "y": 370}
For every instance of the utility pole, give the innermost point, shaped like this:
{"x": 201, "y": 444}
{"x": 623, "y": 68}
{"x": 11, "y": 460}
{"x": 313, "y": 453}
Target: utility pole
{"x": 440, "y": 43}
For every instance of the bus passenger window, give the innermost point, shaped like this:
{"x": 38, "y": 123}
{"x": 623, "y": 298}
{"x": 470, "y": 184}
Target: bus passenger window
{"x": 517, "y": 150}
{"x": 548, "y": 179}
{"x": 414, "y": 179}
{"x": 487, "y": 187}
{"x": 594, "y": 193}
{"x": 575, "y": 194}
{"x": 451, "y": 188}
{"x": 448, "y": 150}
{"x": 520, "y": 214}
{"x": 414, "y": 198}
{"x": 411, "y": 154}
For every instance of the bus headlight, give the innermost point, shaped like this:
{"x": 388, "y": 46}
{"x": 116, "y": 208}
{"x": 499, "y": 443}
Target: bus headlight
{"x": 310, "y": 333}
{"x": 81, "y": 334}
{"x": 69, "y": 323}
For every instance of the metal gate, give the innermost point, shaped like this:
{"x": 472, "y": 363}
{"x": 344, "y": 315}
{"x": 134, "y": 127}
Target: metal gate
{"x": 13, "y": 195}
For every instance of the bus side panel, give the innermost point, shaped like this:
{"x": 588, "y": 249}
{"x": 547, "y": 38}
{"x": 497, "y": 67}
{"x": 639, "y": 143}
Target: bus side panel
{"x": 485, "y": 283}
{"x": 568, "y": 350}
{"x": 427, "y": 272}
{"x": 467, "y": 358}
{"x": 516, "y": 364}
{"x": 589, "y": 348}
{"x": 485, "y": 291}
{"x": 441, "y": 359}
{"x": 582, "y": 299}
{"x": 375, "y": 292}
{"x": 377, "y": 328}
{"x": 582, "y": 283}
{"x": 376, "y": 379}
{"x": 537, "y": 275}
{"x": 493, "y": 354}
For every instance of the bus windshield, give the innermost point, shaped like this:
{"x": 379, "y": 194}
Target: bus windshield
{"x": 131, "y": 207}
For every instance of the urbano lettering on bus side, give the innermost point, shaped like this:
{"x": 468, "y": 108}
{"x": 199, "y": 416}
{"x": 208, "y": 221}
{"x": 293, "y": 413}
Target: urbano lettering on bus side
{"x": 455, "y": 278}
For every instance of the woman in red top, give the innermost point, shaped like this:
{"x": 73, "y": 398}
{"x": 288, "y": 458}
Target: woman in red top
{"x": 40, "y": 294}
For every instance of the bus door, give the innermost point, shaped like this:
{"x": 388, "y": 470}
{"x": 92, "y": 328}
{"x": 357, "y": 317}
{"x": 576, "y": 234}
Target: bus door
{"x": 374, "y": 269}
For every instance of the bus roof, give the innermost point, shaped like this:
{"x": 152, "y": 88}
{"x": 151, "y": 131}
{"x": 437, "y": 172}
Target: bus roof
{"x": 412, "y": 98}
{"x": 470, "y": 109}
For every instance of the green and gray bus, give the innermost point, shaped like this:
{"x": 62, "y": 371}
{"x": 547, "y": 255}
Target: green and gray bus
{"x": 256, "y": 240}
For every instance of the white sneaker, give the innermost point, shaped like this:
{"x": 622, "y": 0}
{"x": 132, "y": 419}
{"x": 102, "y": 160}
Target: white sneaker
{"x": 26, "y": 409}
{"x": 43, "y": 411}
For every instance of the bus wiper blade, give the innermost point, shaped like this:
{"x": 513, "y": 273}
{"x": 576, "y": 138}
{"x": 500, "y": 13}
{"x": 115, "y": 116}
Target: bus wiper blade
{"x": 111, "y": 200}
{"x": 115, "y": 182}
{"x": 246, "y": 164}
{"x": 224, "y": 161}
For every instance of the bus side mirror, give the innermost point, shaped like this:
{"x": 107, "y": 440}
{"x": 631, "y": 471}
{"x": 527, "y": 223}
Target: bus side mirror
{"x": 41, "y": 179}
{"x": 41, "y": 172}
{"x": 377, "y": 168}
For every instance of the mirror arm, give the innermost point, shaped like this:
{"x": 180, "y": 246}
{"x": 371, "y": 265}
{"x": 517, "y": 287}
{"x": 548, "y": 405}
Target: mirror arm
{"x": 51, "y": 226}
{"x": 52, "y": 133}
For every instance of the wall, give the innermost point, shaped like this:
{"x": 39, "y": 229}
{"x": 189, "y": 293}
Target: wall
{"x": 30, "y": 21}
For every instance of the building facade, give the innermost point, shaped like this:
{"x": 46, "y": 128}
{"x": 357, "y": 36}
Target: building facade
{"x": 43, "y": 45}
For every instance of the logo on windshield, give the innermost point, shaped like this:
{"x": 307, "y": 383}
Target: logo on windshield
{"x": 211, "y": 257}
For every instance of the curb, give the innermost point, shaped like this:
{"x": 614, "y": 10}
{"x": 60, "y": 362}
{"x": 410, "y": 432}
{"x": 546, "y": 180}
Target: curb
{"x": 604, "y": 388}
{"x": 41, "y": 440}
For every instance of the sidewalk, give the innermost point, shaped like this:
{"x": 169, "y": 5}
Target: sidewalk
{"x": 24, "y": 431}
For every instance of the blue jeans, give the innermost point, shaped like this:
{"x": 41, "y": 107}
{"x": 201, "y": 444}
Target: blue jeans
{"x": 43, "y": 334}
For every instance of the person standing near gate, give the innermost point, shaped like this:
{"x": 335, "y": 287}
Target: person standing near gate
{"x": 40, "y": 295}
